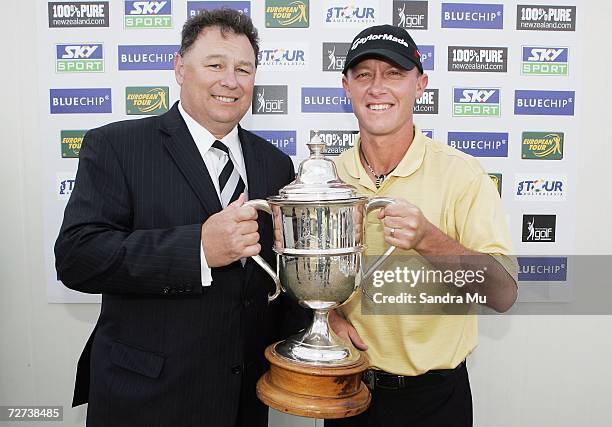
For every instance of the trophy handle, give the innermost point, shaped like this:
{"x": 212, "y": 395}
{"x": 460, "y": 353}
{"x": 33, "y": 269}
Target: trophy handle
{"x": 378, "y": 203}
{"x": 262, "y": 205}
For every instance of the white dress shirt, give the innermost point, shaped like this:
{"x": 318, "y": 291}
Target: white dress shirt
{"x": 214, "y": 161}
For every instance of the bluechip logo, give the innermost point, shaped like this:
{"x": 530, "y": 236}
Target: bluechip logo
{"x": 336, "y": 141}
{"x": 544, "y": 102}
{"x": 427, "y": 56}
{"x": 545, "y": 61}
{"x": 147, "y": 57}
{"x": 545, "y": 18}
{"x": 334, "y": 56}
{"x": 470, "y": 15}
{"x": 410, "y": 14}
{"x": 325, "y": 100}
{"x": 476, "y": 102}
{"x": 148, "y": 14}
{"x": 542, "y": 269}
{"x": 85, "y": 100}
{"x": 78, "y": 14}
{"x": 284, "y": 140}
{"x": 195, "y": 7}
{"x": 483, "y": 59}
{"x": 79, "y": 58}
{"x": 429, "y": 133}
{"x": 428, "y": 103}
{"x": 480, "y": 144}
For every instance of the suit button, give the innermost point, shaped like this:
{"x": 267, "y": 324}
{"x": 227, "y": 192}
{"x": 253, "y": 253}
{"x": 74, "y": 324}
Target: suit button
{"x": 246, "y": 303}
{"x": 166, "y": 290}
{"x": 236, "y": 369}
{"x": 188, "y": 288}
{"x": 181, "y": 289}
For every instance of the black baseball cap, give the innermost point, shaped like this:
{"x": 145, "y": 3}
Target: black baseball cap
{"x": 384, "y": 41}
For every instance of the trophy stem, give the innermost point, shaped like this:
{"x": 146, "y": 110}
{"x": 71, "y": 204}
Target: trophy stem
{"x": 318, "y": 345}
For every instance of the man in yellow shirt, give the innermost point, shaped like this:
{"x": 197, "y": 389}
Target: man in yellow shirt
{"x": 446, "y": 206}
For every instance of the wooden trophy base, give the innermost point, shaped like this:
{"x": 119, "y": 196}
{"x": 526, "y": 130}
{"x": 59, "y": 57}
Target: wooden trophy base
{"x": 313, "y": 391}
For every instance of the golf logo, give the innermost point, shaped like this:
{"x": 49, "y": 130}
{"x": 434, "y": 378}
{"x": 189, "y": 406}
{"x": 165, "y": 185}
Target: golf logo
{"x": 196, "y": 7}
{"x": 334, "y": 56}
{"x": 71, "y": 141}
{"x": 79, "y": 58}
{"x": 410, "y": 14}
{"x": 78, "y": 14}
{"x": 283, "y": 57}
{"x": 483, "y": 59}
{"x": 545, "y": 61}
{"x": 542, "y": 145}
{"x": 539, "y": 228}
{"x": 540, "y": 187}
{"x": 147, "y": 14}
{"x": 545, "y": 18}
{"x": 428, "y": 103}
{"x": 146, "y": 100}
{"x": 476, "y": 102}
{"x": 336, "y": 141}
{"x": 349, "y": 13}
{"x": 269, "y": 100}
{"x": 287, "y": 13}
{"x": 496, "y": 178}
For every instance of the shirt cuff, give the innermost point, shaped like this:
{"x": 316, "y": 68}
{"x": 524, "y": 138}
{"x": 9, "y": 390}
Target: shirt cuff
{"x": 205, "y": 270}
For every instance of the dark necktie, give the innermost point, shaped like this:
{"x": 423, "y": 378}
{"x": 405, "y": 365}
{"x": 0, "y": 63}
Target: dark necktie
{"x": 231, "y": 184}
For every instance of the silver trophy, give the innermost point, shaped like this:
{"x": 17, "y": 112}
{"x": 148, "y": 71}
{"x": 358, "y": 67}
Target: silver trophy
{"x": 318, "y": 240}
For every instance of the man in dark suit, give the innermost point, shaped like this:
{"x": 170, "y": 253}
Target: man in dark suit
{"x": 156, "y": 224}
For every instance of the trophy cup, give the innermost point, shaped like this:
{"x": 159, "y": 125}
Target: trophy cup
{"x": 318, "y": 240}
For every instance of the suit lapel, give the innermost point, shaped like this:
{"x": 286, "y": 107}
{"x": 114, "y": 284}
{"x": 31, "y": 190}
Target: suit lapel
{"x": 187, "y": 157}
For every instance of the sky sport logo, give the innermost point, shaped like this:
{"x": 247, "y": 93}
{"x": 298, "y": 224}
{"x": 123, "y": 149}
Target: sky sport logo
{"x": 476, "y": 102}
{"x": 71, "y": 141}
{"x": 542, "y": 269}
{"x": 545, "y": 18}
{"x": 470, "y": 15}
{"x": 428, "y": 103}
{"x": 146, "y": 57}
{"x": 79, "y": 58}
{"x": 78, "y": 14}
{"x": 143, "y": 100}
{"x": 539, "y": 228}
{"x": 540, "y": 187}
{"x": 336, "y": 141}
{"x": 325, "y": 100}
{"x": 196, "y": 7}
{"x": 479, "y": 59}
{"x": 269, "y": 100}
{"x": 334, "y": 55}
{"x": 147, "y": 14}
{"x": 427, "y": 56}
{"x": 81, "y": 100}
{"x": 284, "y": 140}
{"x": 544, "y": 102}
{"x": 480, "y": 144}
{"x": 283, "y": 57}
{"x": 545, "y": 61}
{"x": 349, "y": 13}
{"x": 410, "y": 14}
{"x": 287, "y": 14}
{"x": 542, "y": 145}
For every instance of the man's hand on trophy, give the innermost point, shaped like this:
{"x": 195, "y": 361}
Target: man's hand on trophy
{"x": 405, "y": 224}
{"x": 345, "y": 330}
{"x": 231, "y": 234}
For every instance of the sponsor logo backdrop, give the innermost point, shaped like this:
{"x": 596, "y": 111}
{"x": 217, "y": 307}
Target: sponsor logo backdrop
{"x": 503, "y": 86}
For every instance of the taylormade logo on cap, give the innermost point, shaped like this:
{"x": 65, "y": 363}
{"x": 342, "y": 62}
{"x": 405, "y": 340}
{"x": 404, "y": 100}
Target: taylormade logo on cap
{"x": 388, "y": 37}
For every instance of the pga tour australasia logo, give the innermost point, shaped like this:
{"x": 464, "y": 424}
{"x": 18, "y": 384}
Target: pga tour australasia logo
{"x": 146, "y": 57}
{"x": 427, "y": 103}
{"x": 195, "y": 7}
{"x": 65, "y": 185}
{"x": 480, "y": 144}
{"x": 287, "y": 14}
{"x": 544, "y": 102}
{"x": 79, "y": 58}
{"x": 334, "y": 55}
{"x": 483, "y": 59}
{"x": 545, "y": 18}
{"x": 476, "y": 102}
{"x": 410, "y": 14}
{"x": 147, "y": 14}
{"x": 270, "y": 99}
{"x": 284, "y": 140}
{"x": 472, "y": 15}
{"x": 539, "y": 228}
{"x": 540, "y": 187}
{"x": 286, "y": 56}
{"x": 68, "y": 14}
{"x": 349, "y": 13}
{"x": 545, "y": 61}
{"x": 336, "y": 141}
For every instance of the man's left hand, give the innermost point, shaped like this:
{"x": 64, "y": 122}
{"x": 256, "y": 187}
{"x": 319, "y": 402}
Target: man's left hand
{"x": 405, "y": 224}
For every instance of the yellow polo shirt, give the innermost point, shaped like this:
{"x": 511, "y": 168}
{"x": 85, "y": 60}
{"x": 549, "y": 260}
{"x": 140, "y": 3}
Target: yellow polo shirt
{"x": 456, "y": 195}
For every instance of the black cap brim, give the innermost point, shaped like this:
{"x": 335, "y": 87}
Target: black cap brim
{"x": 399, "y": 60}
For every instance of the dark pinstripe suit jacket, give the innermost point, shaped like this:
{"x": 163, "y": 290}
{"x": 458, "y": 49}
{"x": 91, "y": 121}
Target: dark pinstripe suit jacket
{"x": 165, "y": 351}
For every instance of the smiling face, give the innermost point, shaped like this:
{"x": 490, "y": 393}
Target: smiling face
{"x": 383, "y": 96}
{"x": 217, "y": 75}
